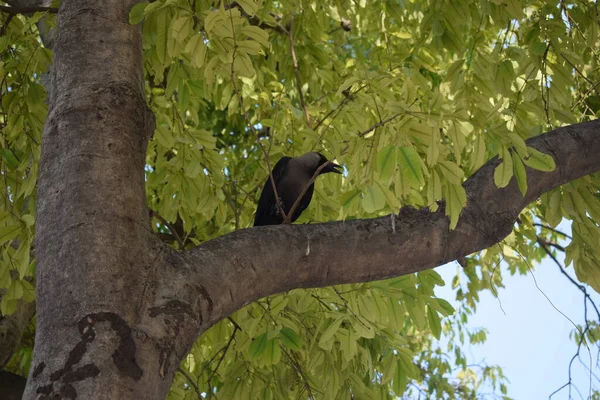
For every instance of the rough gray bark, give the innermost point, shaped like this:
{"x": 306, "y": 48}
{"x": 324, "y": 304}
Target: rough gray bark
{"x": 117, "y": 310}
{"x": 93, "y": 238}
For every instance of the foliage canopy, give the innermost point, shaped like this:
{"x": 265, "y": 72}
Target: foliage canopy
{"x": 411, "y": 97}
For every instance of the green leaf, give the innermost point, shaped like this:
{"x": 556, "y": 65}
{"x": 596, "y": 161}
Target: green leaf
{"x": 254, "y": 32}
{"x": 504, "y": 171}
{"x": 290, "y": 339}
{"x": 181, "y": 28}
{"x": 410, "y": 165}
{"x": 8, "y": 233}
{"x": 442, "y": 306}
{"x": 373, "y": 199}
{"x": 28, "y": 219}
{"x": 249, "y": 6}
{"x": 386, "y": 162}
{"x": 540, "y": 161}
{"x": 258, "y": 346}
{"x": 28, "y": 291}
{"x": 389, "y": 368}
{"x": 452, "y": 172}
{"x": 7, "y": 306}
{"x": 330, "y": 331}
{"x": 400, "y": 380}
{"x": 161, "y": 37}
{"x": 405, "y": 359}
{"x": 434, "y": 323}
{"x": 520, "y": 174}
{"x": 272, "y": 352}
{"x": 249, "y": 46}
{"x": 14, "y": 291}
{"x": 136, "y": 15}
{"x": 348, "y": 198}
{"x": 243, "y": 65}
{"x": 9, "y": 158}
{"x": 456, "y": 199}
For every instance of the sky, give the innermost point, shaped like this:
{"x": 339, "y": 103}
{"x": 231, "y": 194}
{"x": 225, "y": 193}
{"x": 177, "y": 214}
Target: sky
{"x": 530, "y": 339}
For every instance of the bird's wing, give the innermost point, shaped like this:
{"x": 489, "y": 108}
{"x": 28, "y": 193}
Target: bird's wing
{"x": 266, "y": 211}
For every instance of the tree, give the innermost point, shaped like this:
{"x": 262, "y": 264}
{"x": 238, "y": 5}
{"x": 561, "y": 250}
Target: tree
{"x": 161, "y": 123}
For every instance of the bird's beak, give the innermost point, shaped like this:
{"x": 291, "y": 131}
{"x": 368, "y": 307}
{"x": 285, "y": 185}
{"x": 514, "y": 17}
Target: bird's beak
{"x": 331, "y": 167}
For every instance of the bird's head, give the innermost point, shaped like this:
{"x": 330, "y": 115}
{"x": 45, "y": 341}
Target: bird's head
{"x": 314, "y": 160}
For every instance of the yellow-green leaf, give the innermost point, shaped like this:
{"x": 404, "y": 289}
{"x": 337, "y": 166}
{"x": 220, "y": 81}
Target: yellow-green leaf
{"x": 196, "y": 50}
{"x": 386, "y": 162}
{"x": 452, "y": 172}
{"x": 504, "y": 171}
{"x": 136, "y": 14}
{"x": 258, "y": 346}
{"x": 410, "y": 165}
{"x": 249, "y": 6}
{"x": 540, "y": 161}
{"x": 373, "y": 199}
{"x": 254, "y": 32}
{"x": 290, "y": 338}
{"x": 520, "y": 174}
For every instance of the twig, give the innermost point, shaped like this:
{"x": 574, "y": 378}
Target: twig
{"x": 582, "y": 288}
{"x": 168, "y": 225}
{"x": 5, "y": 25}
{"x": 249, "y": 122}
{"x": 27, "y": 10}
{"x": 342, "y": 103}
{"x": 381, "y": 123}
{"x": 235, "y": 324}
{"x": 297, "y": 73}
{"x": 191, "y": 382}
{"x": 288, "y": 218}
{"x": 544, "y": 81}
{"x": 552, "y": 229}
{"x": 224, "y": 350}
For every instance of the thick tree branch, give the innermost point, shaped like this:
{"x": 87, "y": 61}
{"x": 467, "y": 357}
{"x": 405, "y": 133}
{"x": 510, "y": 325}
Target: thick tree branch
{"x": 274, "y": 259}
{"x": 27, "y": 10}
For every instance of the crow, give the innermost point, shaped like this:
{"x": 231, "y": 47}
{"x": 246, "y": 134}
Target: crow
{"x": 291, "y": 175}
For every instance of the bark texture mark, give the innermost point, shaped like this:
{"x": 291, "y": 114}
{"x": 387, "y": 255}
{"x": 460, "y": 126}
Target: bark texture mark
{"x": 209, "y": 300}
{"x": 124, "y": 355}
{"x": 175, "y": 308}
{"x": 39, "y": 369}
{"x": 124, "y": 358}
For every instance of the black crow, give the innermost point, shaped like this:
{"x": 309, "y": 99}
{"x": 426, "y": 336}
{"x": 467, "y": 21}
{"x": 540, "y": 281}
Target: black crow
{"x": 291, "y": 175}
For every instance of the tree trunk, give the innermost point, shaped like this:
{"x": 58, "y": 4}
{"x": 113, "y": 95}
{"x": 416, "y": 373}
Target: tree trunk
{"x": 94, "y": 246}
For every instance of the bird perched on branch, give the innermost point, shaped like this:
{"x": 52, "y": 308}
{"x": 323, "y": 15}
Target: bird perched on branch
{"x": 291, "y": 175}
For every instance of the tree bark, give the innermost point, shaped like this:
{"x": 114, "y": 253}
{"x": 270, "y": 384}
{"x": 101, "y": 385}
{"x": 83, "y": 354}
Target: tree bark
{"x": 117, "y": 310}
{"x": 94, "y": 245}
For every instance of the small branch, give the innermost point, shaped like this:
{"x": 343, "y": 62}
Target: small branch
{"x": 224, "y": 350}
{"x": 377, "y": 125}
{"x": 339, "y": 107}
{"x": 168, "y": 225}
{"x": 552, "y": 229}
{"x": 191, "y": 382}
{"x": 253, "y": 20}
{"x": 288, "y": 218}
{"x": 27, "y": 10}
{"x": 579, "y": 286}
{"x": 297, "y": 73}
